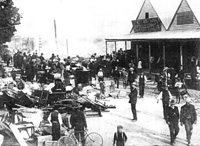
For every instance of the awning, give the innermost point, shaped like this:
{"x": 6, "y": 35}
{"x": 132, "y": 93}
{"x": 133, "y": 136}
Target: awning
{"x": 161, "y": 35}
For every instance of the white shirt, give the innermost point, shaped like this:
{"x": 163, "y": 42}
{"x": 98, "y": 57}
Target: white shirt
{"x": 59, "y": 118}
{"x": 100, "y": 74}
{"x": 140, "y": 64}
{"x": 160, "y": 96}
{"x": 138, "y": 78}
{"x": 1, "y": 139}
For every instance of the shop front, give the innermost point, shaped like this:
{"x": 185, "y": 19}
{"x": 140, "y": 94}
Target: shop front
{"x": 171, "y": 40}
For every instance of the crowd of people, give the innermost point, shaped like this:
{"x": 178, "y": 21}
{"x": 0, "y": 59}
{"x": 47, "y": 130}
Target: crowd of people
{"x": 37, "y": 68}
{"x": 34, "y": 67}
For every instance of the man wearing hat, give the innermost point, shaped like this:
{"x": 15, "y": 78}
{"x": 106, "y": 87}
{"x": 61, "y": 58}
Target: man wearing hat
{"x": 188, "y": 117}
{"x": 165, "y": 96}
{"x": 133, "y": 101}
{"x": 56, "y": 120}
{"x": 78, "y": 122}
{"x": 100, "y": 75}
{"x": 172, "y": 120}
{"x": 131, "y": 77}
{"x": 58, "y": 86}
{"x": 58, "y": 90}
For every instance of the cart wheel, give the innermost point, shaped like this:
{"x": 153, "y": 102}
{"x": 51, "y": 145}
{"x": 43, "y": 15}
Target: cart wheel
{"x": 93, "y": 139}
{"x": 66, "y": 141}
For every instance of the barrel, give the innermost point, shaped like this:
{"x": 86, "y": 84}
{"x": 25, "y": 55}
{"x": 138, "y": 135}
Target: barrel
{"x": 82, "y": 77}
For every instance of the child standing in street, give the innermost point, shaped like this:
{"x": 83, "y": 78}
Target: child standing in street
{"x": 120, "y": 137}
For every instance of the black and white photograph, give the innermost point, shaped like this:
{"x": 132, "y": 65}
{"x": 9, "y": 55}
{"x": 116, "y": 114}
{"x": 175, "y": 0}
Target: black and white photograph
{"x": 99, "y": 72}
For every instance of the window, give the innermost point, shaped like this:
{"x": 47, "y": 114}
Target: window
{"x": 147, "y": 15}
{"x": 185, "y": 18}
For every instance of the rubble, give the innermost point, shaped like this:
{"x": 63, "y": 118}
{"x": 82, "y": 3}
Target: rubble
{"x": 28, "y": 105}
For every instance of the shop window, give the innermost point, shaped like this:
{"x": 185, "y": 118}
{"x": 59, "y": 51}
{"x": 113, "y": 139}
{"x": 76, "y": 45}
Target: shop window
{"x": 147, "y": 15}
{"x": 185, "y": 18}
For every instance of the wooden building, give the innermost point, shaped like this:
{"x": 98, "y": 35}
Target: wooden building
{"x": 167, "y": 32}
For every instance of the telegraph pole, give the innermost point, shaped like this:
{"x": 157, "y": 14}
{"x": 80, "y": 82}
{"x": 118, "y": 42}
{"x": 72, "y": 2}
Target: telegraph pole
{"x": 40, "y": 44}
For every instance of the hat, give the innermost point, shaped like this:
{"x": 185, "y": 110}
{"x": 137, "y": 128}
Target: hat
{"x": 166, "y": 68}
{"x": 173, "y": 102}
{"x": 69, "y": 88}
{"x": 34, "y": 60}
{"x": 188, "y": 100}
{"x": 55, "y": 108}
{"x": 119, "y": 127}
{"x": 48, "y": 68}
{"x": 55, "y": 60}
{"x": 134, "y": 84}
{"x": 68, "y": 67}
{"x": 58, "y": 79}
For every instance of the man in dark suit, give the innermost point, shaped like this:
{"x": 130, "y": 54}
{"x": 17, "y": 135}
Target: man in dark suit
{"x": 131, "y": 77}
{"x": 188, "y": 118}
{"x": 165, "y": 95}
{"x": 133, "y": 101}
{"x": 173, "y": 120}
{"x": 78, "y": 123}
{"x": 116, "y": 76}
{"x": 142, "y": 80}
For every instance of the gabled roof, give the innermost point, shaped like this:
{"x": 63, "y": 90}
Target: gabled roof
{"x": 166, "y": 10}
{"x": 195, "y": 6}
{"x": 142, "y": 7}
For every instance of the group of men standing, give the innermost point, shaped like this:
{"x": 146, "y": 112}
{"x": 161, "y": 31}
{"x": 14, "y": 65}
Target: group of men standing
{"x": 77, "y": 121}
{"x": 187, "y": 116}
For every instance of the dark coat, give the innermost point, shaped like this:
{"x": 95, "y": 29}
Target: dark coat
{"x": 120, "y": 139}
{"x": 165, "y": 96}
{"x": 133, "y": 96}
{"x": 188, "y": 110}
{"x": 78, "y": 120}
{"x": 54, "y": 116}
{"x": 131, "y": 77}
{"x": 141, "y": 80}
{"x": 173, "y": 115}
{"x": 116, "y": 73}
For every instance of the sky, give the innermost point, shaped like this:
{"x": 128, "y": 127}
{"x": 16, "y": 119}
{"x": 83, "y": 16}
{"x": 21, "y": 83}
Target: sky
{"x": 81, "y": 24}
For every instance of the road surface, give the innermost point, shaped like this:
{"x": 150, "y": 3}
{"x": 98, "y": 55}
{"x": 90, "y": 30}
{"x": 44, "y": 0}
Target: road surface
{"x": 150, "y": 129}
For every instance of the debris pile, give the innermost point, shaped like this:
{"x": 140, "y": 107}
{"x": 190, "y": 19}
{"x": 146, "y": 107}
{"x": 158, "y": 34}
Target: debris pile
{"x": 26, "y": 106}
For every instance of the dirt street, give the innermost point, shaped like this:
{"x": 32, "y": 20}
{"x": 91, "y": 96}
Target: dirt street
{"x": 150, "y": 129}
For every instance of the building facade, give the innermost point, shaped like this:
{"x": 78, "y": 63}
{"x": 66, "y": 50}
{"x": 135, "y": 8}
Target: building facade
{"x": 165, "y": 33}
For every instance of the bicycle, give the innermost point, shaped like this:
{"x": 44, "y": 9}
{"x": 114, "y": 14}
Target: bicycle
{"x": 91, "y": 139}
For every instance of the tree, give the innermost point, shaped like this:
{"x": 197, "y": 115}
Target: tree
{"x": 9, "y": 18}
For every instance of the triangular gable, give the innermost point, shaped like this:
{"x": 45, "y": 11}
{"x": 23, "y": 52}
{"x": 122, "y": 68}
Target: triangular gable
{"x": 184, "y": 18}
{"x": 166, "y": 10}
{"x": 146, "y": 7}
{"x": 194, "y": 5}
